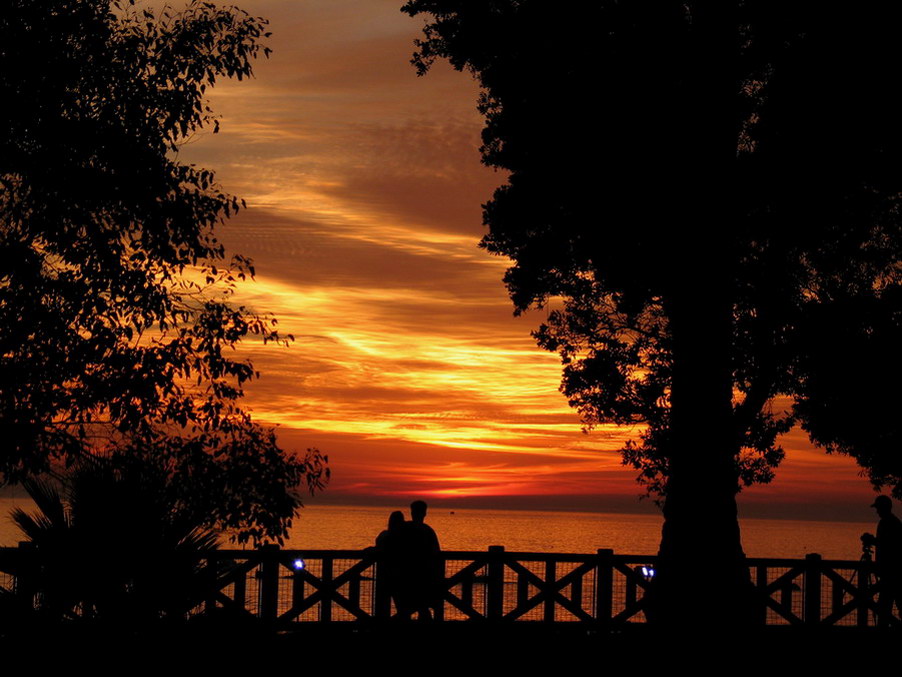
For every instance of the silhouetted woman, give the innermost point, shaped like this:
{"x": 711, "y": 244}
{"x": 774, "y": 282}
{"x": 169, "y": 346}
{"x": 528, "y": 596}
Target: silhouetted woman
{"x": 391, "y": 547}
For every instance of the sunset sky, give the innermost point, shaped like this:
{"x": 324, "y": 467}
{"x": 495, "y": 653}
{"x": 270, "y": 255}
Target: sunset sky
{"x": 364, "y": 187}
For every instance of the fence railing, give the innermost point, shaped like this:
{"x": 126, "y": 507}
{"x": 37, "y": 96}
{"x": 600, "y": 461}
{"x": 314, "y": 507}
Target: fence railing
{"x": 603, "y": 588}
{"x": 286, "y": 587}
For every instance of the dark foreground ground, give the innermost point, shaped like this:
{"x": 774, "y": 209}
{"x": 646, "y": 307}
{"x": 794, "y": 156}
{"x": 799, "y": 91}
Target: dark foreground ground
{"x": 460, "y": 649}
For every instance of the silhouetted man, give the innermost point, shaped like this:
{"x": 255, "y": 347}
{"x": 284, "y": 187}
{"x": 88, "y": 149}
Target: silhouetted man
{"x": 888, "y": 558}
{"x": 427, "y": 569}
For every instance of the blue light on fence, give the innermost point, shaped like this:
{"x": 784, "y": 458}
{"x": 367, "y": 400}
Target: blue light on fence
{"x": 299, "y": 564}
{"x": 648, "y": 572}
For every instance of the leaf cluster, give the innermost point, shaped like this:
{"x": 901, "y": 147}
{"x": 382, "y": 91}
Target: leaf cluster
{"x": 114, "y": 290}
{"x": 108, "y": 545}
{"x": 601, "y": 117}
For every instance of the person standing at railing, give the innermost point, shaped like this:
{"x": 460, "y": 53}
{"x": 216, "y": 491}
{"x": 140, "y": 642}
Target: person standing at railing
{"x": 888, "y": 559}
{"x": 391, "y": 549}
{"x": 426, "y": 569}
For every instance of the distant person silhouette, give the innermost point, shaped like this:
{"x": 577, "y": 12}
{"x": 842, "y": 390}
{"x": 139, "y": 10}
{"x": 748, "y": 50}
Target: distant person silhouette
{"x": 888, "y": 558}
{"x": 391, "y": 549}
{"x": 425, "y": 567}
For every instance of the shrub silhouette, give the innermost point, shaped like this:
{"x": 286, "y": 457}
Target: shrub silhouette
{"x": 107, "y": 546}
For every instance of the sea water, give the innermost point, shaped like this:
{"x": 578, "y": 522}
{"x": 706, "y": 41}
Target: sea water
{"x": 334, "y": 527}
{"x": 339, "y": 527}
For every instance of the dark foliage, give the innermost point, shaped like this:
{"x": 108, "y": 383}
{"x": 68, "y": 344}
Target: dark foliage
{"x": 670, "y": 159}
{"x": 115, "y": 322}
{"x": 108, "y": 546}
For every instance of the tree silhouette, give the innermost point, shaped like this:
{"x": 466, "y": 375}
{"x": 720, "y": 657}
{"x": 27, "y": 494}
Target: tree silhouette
{"x": 711, "y": 191}
{"x": 110, "y": 545}
{"x": 114, "y": 291}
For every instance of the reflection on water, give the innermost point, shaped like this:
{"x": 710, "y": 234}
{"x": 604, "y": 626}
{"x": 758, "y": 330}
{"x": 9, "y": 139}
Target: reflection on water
{"x": 526, "y": 531}
{"x": 325, "y": 527}
{"x": 334, "y": 527}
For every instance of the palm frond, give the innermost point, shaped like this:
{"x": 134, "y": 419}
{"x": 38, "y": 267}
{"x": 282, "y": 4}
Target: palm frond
{"x": 50, "y": 504}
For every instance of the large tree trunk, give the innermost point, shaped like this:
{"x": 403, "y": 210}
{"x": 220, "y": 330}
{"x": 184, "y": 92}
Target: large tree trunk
{"x": 702, "y": 578}
{"x": 702, "y": 575}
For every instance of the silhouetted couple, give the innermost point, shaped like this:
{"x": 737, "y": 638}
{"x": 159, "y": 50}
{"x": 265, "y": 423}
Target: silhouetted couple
{"x": 410, "y": 563}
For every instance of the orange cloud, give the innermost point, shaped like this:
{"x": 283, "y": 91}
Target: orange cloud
{"x": 364, "y": 185}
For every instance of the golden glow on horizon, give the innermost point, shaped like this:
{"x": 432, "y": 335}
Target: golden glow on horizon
{"x": 438, "y": 386}
{"x": 463, "y": 479}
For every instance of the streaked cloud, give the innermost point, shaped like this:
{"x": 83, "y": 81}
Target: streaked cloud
{"x": 364, "y": 187}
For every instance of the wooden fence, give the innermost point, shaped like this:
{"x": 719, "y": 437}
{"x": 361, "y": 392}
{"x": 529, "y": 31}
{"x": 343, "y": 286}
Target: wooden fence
{"x": 496, "y": 585}
{"x": 286, "y": 587}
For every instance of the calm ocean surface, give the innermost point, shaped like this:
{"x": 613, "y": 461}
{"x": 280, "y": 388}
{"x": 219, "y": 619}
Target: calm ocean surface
{"x": 328, "y": 527}
{"x": 337, "y": 527}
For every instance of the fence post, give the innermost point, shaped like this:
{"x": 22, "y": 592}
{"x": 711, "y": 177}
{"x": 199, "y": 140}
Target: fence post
{"x": 495, "y": 583}
{"x": 439, "y": 610}
{"x": 297, "y": 586}
{"x": 760, "y": 588}
{"x": 549, "y": 605}
{"x": 269, "y": 582}
{"x": 864, "y": 592}
{"x": 812, "y": 585}
{"x": 325, "y": 605}
{"x": 604, "y": 587}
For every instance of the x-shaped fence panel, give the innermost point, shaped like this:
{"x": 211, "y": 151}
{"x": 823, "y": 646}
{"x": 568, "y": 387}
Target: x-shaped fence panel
{"x": 287, "y": 587}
